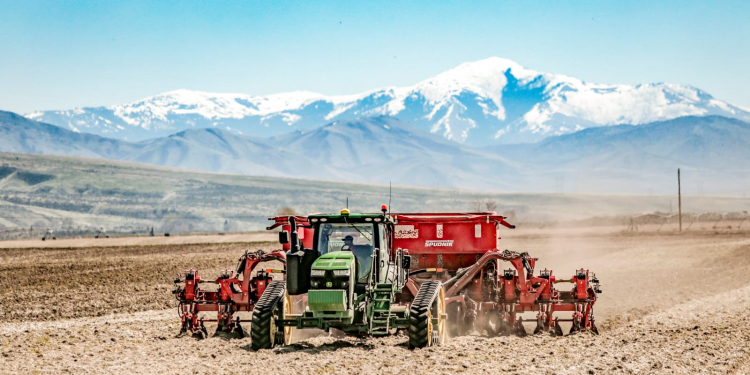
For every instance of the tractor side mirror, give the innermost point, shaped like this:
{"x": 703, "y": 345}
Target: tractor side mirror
{"x": 283, "y": 237}
{"x": 406, "y": 262}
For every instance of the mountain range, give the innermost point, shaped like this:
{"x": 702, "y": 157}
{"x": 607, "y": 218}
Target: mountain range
{"x": 711, "y": 150}
{"x": 483, "y": 103}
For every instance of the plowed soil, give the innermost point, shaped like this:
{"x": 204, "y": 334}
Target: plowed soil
{"x": 138, "y": 240}
{"x": 671, "y": 304}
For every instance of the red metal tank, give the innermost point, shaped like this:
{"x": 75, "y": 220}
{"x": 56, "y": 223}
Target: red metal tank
{"x": 446, "y": 240}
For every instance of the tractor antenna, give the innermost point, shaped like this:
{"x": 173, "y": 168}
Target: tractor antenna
{"x": 347, "y": 203}
{"x": 390, "y": 193}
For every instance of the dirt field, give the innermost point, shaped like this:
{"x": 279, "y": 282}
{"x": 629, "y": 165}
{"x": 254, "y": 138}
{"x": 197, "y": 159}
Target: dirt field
{"x": 138, "y": 241}
{"x": 672, "y": 303}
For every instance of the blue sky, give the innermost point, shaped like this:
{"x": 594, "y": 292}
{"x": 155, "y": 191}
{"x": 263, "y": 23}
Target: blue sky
{"x": 60, "y": 55}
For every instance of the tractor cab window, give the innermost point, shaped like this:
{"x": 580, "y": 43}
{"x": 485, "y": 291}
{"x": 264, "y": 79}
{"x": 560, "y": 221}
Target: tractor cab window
{"x": 357, "y": 238}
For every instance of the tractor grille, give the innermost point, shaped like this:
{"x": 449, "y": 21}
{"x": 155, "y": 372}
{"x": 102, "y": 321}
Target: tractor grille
{"x": 326, "y": 300}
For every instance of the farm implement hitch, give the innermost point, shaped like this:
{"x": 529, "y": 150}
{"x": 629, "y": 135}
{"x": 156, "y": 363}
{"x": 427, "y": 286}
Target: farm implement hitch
{"x": 494, "y": 300}
{"x": 236, "y": 290}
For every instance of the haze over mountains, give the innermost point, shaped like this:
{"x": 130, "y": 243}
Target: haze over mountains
{"x": 712, "y": 150}
{"x": 488, "y": 102}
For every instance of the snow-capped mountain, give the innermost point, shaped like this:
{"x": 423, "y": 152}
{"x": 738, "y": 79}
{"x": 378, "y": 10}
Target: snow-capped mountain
{"x": 480, "y": 103}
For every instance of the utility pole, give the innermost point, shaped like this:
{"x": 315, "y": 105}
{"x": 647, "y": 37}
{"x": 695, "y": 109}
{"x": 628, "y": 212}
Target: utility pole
{"x": 679, "y": 198}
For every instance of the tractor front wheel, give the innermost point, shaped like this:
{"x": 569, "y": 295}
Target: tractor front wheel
{"x": 428, "y": 306}
{"x": 271, "y": 306}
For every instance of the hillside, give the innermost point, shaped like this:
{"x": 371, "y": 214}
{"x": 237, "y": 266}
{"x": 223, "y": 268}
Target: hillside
{"x": 385, "y": 149}
{"x": 712, "y": 152}
{"x": 215, "y": 150}
{"x": 63, "y": 192}
{"x": 624, "y": 159}
{"x": 19, "y": 134}
{"x": 200, "y": 149}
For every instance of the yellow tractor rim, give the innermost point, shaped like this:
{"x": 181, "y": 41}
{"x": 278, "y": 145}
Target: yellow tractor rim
{"x": 288, "y": 310}
{"x": 440, "y": 313}
{"x": 429, "y": 328}
{"x": 441, "y": 316}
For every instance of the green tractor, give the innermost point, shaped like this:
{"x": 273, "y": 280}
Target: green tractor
{"x": 351, "y": 276}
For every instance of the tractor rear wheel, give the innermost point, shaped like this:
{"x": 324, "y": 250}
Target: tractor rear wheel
{"x": 428, "y": 304}
{"x": 270, "y": 307}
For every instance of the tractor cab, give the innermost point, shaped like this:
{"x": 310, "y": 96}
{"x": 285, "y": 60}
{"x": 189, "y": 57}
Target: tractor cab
{"x": 355, "y": 238}
{"x": 364, "y": 236}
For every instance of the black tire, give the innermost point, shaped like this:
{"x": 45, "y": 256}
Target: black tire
{"x": 263, "y": 330}
{"x": 429, "y": 301}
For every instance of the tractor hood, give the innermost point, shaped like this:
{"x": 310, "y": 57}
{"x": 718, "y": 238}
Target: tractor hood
{"x": 334, "y": 261}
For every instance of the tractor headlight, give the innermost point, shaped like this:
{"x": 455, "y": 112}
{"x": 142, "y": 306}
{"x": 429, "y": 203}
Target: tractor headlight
{"x": 340, "y": 273}
{"x": 318, "y": 273}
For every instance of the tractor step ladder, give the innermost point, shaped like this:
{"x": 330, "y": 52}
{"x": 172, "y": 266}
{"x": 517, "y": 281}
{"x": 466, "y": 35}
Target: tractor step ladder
{"x": 381, "y": 309}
